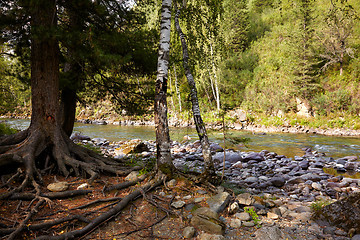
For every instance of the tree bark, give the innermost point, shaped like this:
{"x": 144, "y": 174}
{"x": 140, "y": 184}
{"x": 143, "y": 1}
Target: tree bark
{"x": 200, "y": 126}
{"x": 164, "y": 161}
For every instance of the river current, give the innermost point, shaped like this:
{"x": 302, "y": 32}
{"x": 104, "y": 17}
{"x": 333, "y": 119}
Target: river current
{"x": 287, "y": 144}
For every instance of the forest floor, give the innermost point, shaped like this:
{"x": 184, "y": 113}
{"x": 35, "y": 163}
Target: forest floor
{"x": 147, "y": 217}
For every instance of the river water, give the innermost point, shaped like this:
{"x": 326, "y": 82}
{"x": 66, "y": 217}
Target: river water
{"x": 286, "y": 144}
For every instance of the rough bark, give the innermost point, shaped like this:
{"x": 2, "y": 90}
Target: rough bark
{"x": 200, "y": 126}
{"x": 164, "y": 161}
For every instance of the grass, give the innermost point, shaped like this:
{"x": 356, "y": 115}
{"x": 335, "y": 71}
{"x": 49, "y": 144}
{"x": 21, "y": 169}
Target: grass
{"x": 318, "y": 205}
{"x": 6, "y": 130}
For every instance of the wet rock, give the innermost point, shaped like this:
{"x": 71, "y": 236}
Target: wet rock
{"x": 219, "y": 202}
{"x": 58, "y": 186}
{"x": 189, "y": 232}
{"x": 207, "y": 220}
{"x": 344, "y": 213}
{"x": 271, "y": 233}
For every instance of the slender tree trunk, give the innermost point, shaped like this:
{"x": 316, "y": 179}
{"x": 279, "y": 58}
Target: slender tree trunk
{"x": 200, "y": 126}
{"x": 177, "y": 90}
{"x": 215, "y": 78}
{"x": 164, "y": 161}
{"x": 172, "y": 98}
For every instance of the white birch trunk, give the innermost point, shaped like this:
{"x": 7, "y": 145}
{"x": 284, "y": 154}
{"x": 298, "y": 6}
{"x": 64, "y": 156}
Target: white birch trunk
{"x": 209, "y": 171}
{"x": 164, "y": 161}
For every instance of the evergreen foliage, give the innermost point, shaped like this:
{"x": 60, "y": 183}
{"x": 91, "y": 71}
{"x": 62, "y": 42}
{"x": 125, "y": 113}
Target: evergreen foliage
{"x": 260, "y": 55}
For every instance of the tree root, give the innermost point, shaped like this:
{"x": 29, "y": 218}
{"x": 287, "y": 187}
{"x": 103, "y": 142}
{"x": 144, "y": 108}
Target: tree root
{"x": 111, "y": 213}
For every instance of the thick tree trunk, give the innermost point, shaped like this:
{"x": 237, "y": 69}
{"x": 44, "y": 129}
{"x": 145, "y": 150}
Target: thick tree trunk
{"x": 68, "y": 110}
{"x": 164, "y": 161}
{"x": 200, "y": 126}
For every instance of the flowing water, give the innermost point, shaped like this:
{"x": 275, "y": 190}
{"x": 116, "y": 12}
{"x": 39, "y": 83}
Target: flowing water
{"x": 286, "y": 144}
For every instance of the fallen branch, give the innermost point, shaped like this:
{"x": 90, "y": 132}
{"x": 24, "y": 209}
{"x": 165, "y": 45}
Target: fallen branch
{"x": 50, "y": 195}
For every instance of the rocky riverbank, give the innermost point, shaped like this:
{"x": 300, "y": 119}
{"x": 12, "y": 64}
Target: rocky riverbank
{"x": 266, "y": 195}
{"x": 247, "y": 126}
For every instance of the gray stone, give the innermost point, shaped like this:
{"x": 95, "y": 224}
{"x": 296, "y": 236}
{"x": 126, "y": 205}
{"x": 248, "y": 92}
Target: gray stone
{"x": 58, "y": 186}
{"x": 248, "y": 224}
{"x": 199, "y": 199}
{"x": 311, "y": 176}
{"x": 171, "y": 183}
{"x": 254, "y": 156}
{"x": 206, "y": 236}
{"x": 207, "y": 220}
{"x": 245, "y": 199}
{"x": 235, "y": 223}
{"x": 243, "y": 216}
{"x": 295, "y": 180}
{"x": 251, "y": 180}
{"x": 278, "y": 181}
{"x": 178, "y": 204}
{"x": 189, "y": 232}
{"x": 271, "y": 233}
{"x": 133, "y": 176}
{"x": 316, "y": 186}
{"x": 272, "y": 215}
{"x": 356, "y": 237}
{"x": 219, "y": 202}
{"x": 214, "y": 147}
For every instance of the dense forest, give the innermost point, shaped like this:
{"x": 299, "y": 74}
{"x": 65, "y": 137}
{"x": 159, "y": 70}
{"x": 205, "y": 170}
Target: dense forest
{"x": 263, "y": 56}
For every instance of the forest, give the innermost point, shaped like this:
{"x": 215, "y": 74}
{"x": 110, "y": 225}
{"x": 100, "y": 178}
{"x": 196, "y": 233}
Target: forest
{"x": 263, "y": 56}
{"x": 163, "y": 59}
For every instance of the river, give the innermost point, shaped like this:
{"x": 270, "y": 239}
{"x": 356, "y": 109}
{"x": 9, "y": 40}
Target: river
{"x": 286, "y": 144}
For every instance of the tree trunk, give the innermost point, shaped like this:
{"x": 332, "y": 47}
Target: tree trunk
{"x": 177, "y": 90}
{"x": 164, "y": 161}
{"x": 68, "y": 109}
{"x": 200, "y": 126}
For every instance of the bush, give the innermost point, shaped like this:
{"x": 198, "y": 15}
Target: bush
{"x": 6, "y": 130}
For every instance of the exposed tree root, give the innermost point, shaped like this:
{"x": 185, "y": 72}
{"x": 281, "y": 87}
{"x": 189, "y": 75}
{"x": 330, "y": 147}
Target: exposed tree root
{"x": 113, "y": 212}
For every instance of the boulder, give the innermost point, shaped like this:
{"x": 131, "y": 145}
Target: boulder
{"x": 219, "y": 201}
{"x": 245, "y": 199}
{"x": 207, "y": 220}
{"x": 344, "y": 213}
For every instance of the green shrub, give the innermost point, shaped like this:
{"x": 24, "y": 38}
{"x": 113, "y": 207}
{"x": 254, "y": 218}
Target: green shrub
{"x": 6, "y": 130}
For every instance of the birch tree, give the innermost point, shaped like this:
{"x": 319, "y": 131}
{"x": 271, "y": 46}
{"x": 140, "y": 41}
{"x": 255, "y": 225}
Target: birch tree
{"x": 200, "y": 126}
{"x": 164, "y": 162}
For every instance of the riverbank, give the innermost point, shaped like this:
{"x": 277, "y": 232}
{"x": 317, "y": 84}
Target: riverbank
{"x": 283, "y": 192}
